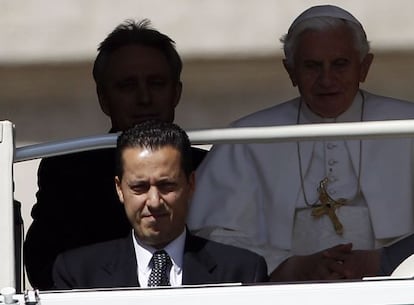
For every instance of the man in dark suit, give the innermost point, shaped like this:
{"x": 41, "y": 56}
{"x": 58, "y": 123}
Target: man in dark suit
{"x": 154, "y": 181}
{"x": 392, "y": 256}
{"x": 137, "y": 74}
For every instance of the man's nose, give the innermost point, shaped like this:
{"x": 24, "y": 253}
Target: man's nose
{"x": 326, "y": 77}
{"x": 154, "y": 198}
{"x": 143, "y": 94}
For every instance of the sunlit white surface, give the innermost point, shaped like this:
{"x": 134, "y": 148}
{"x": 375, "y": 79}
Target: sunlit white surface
{"x": 200, "y": 28}
{"x": 366, "y": 292}
{"x": 7, "y": 277}
{"x": 405, "y": 269}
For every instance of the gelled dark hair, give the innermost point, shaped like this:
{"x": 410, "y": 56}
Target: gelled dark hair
{"x": 155, "y": 135}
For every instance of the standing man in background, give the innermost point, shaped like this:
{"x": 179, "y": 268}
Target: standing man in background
{"x": 138, "y": 77}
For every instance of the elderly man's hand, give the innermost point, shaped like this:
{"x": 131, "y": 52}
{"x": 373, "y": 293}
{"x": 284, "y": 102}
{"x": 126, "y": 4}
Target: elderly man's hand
{"x": 357, "y": 263}
{"x": 324, "y": 265}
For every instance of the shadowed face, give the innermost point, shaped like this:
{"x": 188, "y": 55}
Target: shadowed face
{"x": 328, "y": 69}
{"x": 155, "y": 192}
{"x": 138, "y": 85}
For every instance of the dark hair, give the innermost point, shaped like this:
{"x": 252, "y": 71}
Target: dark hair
{"x": 131, "y": 32}
{"x": 155, "y": 135}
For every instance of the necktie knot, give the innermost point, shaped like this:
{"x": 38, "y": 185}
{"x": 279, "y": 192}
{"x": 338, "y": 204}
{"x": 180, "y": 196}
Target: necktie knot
{"x": 160, "y": 266}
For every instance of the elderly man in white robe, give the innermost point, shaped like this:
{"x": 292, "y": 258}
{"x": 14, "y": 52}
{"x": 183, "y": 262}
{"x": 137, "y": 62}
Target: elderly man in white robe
{"x": 315, "y": 210}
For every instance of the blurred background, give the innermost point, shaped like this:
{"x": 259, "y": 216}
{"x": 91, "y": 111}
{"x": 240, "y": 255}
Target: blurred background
{"x": 230, "y": 48}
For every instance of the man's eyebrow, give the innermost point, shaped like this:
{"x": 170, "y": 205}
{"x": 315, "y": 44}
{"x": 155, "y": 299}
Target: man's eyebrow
{"x": 137, "y": 182}
{"x": 312, "y": 62}
{"x": 341, "y": 58}
{"x": 127, "y": 78}
{"x": 158, "y": 75}
{"x": 167, "y": 180}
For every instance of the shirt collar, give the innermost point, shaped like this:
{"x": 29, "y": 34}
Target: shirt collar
{"x": 175, "y": 250}
{"x": 352, "y": 114}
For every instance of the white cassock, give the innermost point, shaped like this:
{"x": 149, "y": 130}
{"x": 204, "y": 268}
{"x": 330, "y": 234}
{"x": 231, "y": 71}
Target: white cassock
{"x": 251, "y": 196}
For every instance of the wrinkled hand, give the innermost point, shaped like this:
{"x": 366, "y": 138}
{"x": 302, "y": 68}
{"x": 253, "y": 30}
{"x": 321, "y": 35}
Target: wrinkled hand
{"x": 356, "y": 264}
{"x": 322, "y": 265}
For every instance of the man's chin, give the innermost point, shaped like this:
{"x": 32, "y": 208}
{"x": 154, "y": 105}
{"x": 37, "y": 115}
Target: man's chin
{"x": 327, "y": 108}
{"x": 154, "y": 229}
{"x": 156, "y": 240}
{"x": 145, "y": 118}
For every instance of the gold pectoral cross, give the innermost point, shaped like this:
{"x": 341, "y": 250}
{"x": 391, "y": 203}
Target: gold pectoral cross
{"x": 327, "y": 206}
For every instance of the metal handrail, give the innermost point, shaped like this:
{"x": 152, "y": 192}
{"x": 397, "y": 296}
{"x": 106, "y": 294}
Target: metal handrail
{"x": 352, "y": 130}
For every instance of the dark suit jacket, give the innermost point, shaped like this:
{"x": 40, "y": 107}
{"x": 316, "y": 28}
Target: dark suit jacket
{"x": 395, "y": 254}
{"x": 76, "y": 205}
{"x": 113, "y": 264}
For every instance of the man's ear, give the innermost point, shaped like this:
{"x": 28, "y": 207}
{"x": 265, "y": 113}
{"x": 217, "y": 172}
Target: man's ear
{"x": 119, "y": 189}
{"x": 102, "y": 100}
{"x": 290, "y": 71}
{"x": 365, "y": 65}
{"x": 178, "y": 91}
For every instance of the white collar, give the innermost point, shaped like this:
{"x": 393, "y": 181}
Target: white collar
{"x": 175, "y": 250}
{"x": 352, "y": 114}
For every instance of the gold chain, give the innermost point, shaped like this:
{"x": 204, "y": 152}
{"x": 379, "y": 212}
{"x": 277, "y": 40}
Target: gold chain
{"x": 300, "y": 158}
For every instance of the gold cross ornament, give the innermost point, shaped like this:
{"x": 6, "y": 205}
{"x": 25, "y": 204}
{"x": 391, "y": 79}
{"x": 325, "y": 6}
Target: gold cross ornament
{"x": 327, "y": 206}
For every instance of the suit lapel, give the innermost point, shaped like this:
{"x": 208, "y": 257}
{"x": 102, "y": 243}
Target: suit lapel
{"x": 198, "y": 265}
{"x": 122, "y": 269}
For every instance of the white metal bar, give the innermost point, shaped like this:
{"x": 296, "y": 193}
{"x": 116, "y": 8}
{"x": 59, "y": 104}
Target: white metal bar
{"x": 7, "y": 259}
{"x": 55, "y": 148}
{"x": 338, "y": 293}
{"x": 353, "y": 130}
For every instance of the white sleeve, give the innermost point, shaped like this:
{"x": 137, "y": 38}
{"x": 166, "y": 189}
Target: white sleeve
{"x": 228, "y": 204}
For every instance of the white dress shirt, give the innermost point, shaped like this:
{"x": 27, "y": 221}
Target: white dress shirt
{"x": 175, "y": 250}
